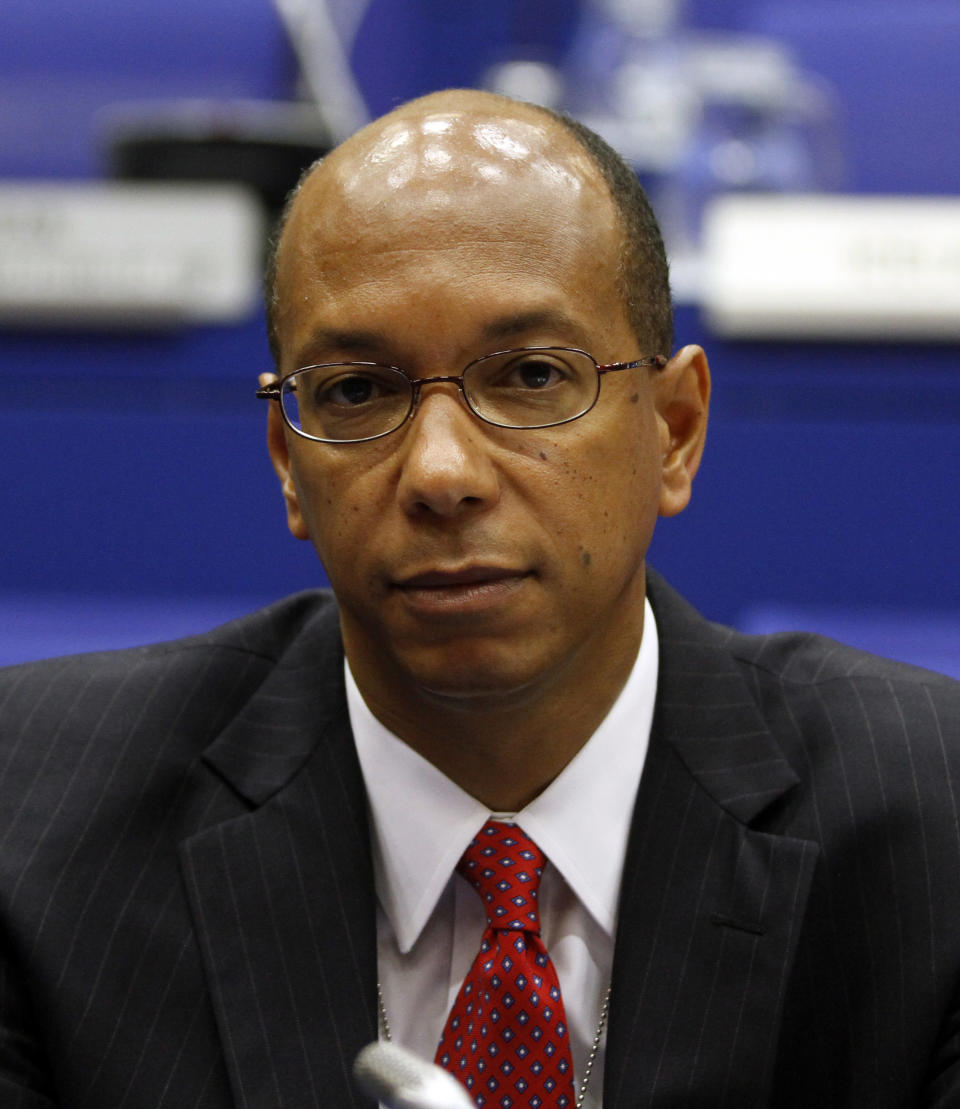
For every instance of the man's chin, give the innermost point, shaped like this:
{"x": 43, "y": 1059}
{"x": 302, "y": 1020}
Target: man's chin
{"x": 463, "y": 670}
{"x": 478, "y": 681}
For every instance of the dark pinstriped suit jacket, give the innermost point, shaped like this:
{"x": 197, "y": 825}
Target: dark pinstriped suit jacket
{"x": 187, "y": 898}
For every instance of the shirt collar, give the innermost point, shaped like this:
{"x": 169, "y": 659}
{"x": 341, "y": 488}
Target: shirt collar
{"x": 421, "y": 821}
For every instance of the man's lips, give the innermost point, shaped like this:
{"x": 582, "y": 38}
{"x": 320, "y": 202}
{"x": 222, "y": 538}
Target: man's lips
{"x": 465, "y": 576}
{"x": 476, "y": 592}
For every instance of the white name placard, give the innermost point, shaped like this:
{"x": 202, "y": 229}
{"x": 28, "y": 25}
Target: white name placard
{"x": 128, "y": 255}
{"x": 857, "y": 267}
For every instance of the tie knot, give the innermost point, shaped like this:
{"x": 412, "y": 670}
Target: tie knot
{"x": 505, "y": 867}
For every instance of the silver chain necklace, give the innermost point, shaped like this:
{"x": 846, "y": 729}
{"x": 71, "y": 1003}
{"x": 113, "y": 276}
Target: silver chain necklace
{"x": 591, "y": 1058}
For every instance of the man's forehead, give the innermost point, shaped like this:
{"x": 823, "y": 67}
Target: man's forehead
{"x": 449, "y": 186}
{"x": 450, "y": 140}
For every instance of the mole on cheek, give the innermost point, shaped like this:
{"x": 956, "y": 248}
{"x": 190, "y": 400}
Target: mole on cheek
{"x": 585, "y": 558}
{"x": 543, "y": 455}
{"x": 634, "y": 398}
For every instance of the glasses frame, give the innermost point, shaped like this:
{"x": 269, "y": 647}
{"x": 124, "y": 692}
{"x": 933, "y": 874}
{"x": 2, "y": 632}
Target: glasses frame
{"x": 274, "y": 391}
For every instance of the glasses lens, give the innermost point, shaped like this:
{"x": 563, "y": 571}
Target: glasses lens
{"x": 346, "y": 402}
{"x": 532, "y": 388}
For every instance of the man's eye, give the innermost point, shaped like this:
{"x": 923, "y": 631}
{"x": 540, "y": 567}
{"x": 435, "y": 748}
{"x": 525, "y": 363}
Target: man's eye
{"x": 352, "y": 390}
{"x": 536, "y": 374}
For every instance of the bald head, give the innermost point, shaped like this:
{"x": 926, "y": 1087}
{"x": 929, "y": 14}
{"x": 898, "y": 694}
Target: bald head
{"x": 436, "y": 162}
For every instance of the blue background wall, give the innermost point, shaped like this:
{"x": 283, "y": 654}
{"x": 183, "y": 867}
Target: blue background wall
{"x": 136, "y": 497}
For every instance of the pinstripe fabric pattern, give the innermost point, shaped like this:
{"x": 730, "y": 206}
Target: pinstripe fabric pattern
{"x": 122, "y": 973}
{"x": 186, "y": 897}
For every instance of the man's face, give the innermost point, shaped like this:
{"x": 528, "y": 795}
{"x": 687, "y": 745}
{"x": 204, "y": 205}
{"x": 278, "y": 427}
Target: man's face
{"x": 470, "y": 561}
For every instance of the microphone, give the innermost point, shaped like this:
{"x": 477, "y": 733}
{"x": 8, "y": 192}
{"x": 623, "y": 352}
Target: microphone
{"x": 401, "y": 1080}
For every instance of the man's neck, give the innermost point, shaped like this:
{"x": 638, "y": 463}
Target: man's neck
{"x": 504, "y": 749}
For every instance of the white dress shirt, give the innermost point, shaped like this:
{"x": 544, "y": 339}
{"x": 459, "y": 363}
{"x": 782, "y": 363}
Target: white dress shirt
{"x": 429, "y": 921}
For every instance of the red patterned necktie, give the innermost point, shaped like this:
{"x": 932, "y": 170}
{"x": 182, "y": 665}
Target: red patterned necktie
{"x": 506, "y": 1036}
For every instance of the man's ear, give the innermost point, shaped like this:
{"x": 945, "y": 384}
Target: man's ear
{"x": 280, "y": 457}
{"x": 682, "y": 398}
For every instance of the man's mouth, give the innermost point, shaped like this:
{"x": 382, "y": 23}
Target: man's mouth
{"x": 449, "y": 579}
{"x": 460, "y": 590}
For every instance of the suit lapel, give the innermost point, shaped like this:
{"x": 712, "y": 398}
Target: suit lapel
{"x": 711, "y": 904}
{"x": 282, "y": 896}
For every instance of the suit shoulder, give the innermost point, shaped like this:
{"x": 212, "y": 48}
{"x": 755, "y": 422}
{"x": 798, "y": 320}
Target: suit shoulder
{"x": 805, "y": 658}
{"x": 199, "y": 679}
{"x": 264, "y": 633}
{"x": 690, "y": 643}
{"x": 847, "y": 708}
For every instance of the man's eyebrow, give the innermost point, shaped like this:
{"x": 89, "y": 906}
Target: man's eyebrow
{"x": 336, "y": 338}
{"x": 498, "y": 332}
{"x": 523, "y": 323}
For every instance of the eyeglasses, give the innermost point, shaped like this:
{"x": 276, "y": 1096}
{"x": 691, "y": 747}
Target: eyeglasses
{"x": 353, "y": 402}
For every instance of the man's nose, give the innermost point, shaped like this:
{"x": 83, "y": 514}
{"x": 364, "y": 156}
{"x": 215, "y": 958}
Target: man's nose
{"x": 446, "y": 463}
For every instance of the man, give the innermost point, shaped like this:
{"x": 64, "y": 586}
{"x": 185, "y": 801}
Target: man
{"x": 230, "y": 862}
